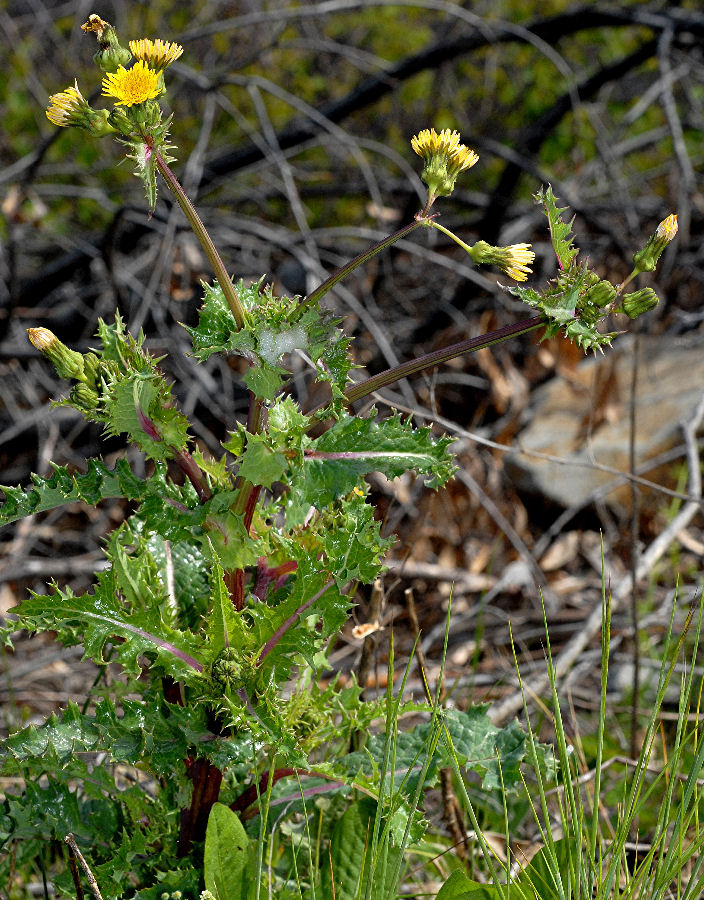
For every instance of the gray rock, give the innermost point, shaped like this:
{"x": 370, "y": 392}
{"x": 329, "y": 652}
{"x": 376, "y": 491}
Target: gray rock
{"x": 585, "y": 419}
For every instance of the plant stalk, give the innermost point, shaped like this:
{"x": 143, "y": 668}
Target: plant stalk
{"x": 228, "y": 289}
{"x": 361, "y": 258}
{"x": 389, "y": 376}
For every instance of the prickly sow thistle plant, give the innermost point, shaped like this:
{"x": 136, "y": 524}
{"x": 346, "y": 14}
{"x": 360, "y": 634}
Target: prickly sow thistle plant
{"x": 226, "y": 587}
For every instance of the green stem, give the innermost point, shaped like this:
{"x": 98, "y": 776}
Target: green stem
{"x": 454, "y": 237}
{"x": 229, "y": 292}
{"x": 389, "y": 376}
{"x": 339, "y": 274}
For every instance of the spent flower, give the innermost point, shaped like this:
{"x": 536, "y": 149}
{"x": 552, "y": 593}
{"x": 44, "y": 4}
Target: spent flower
{"x": 444, "y": 157}
{"x": 110, "y": 55}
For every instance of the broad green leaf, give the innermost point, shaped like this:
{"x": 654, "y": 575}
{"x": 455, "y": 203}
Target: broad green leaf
{"x": 480, "y": 746}
{"x": 459, "y": 886}
{"x": 98, "y": 483}
{"x": 335, "y": 462}
{"x": 350, "y": 864}
{"x": 260, "y": 465}
{"x": 226, "y": 854}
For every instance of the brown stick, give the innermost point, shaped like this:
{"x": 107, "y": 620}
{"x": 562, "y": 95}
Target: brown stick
{"x": 75, "y": 854}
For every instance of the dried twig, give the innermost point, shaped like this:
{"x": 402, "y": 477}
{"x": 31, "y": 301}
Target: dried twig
{"x": 75, "y": 854}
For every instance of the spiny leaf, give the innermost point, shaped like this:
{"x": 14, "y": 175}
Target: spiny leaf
{"x": 98, "y": 483}
{"x": 335, "y": 462}
{"x": 493, "y": 753}
{"x": 274, "y": 326}
{"x": 100, "y": 617}
{"x": 560, "y": 231}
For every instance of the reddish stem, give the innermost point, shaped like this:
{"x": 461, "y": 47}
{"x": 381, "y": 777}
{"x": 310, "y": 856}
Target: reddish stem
{"x": 206, "y": 779}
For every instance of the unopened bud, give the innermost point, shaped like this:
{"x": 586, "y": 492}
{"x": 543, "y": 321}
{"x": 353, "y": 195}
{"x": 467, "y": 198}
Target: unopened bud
{"x": 84, "y": 397}
{"x": 639, "y": 302}
{"x": 121, "y": 122}
{"x": 68, "y": 363}
{"x": 601, "y": 294}
{"x": 646, "y": 260}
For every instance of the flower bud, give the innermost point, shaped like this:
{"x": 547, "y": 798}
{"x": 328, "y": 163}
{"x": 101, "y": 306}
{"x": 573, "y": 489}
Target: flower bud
{"x": 646, "y": 259}
{"x": 639, "y": 302}
{"x": 68, "y": 363}
{"x": 120, "y": 121}
{"x": 601, "y": 294}
{"x": 84, "y": 397}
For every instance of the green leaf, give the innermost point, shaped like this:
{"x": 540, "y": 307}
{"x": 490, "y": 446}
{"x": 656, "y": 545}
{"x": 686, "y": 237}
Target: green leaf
{"x": 98, "y": 618}
{"x": 351, "y": 540}
{"x": 459, "y": 886}
{"x": 479, "y": 746}
{"x": 223, "y": 622}
{"x": 350, "y": 864}
{"x": 226, "y": 853}
{"x": 560, "y": 231}
{"x": 260, "y": 465}
{"x": 98, "y": 483}
{"x": 335, "y": 462}
{"x": 274, "y": 326}
{"x": 136, "y": 402}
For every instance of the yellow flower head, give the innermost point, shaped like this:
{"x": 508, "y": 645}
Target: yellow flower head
{"x": 158, "y": 54}
{"x": 67, "y": 108}
{"x": 444, "y": 157}
{"x": 515, "y": 260}
{"x": 130, "y": 86}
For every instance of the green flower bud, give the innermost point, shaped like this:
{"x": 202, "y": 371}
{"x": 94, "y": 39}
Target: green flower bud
{"x": 68, "y": 363}
{"x": 646, "y": 259}
{"x": 98, "y": 124}
{"x": 147, "y": 115}
{"x": 639, "y": 302}
{"x": 91, "y": 366}
{"x": 121, "y": 121}
{"x": 84, "y": 397}
{"x": 601, "y": 294}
